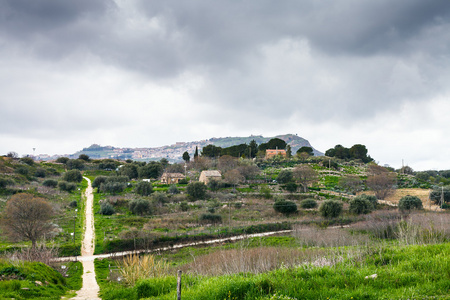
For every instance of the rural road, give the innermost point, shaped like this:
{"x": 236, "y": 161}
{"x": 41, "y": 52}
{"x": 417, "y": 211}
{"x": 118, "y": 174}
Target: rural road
{"x": 90, "y": 287}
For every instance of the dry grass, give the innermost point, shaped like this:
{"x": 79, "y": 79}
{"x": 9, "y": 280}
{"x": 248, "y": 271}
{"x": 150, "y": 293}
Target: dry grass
{"x": 41, "y": 254}
{"x": 329, "y": 237}
{"x": 253, "y": 260}
{"x": 424, "y": 228}
{"x": 133, "y": 268}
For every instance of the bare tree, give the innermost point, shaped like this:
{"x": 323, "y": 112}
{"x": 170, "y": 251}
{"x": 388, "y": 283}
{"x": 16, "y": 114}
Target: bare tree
{"x": 26, "y": 218}
{"x": 351, "y": 183}
{"x": 234, "y": 177}
{"x": 305, "y": 175}
{"x": 382, "y": 184}
{"x": 381, "y": 181}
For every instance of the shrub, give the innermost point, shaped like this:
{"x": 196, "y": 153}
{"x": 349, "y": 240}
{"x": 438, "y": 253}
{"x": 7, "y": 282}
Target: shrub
{"x": 159, "y": 198}
{"x": 173, "y": 189}
{"x": 210, "y": 218}
{"x": 75, "y": 164}
{"x": 285, "y": 176}
{"x": 73, "y": 176}
{"x": 331, "y": 208}
{"x": 360, "y": 205}
{"x": 140, "y": 206}
{"x": 22, "y": 170}
{"x": 67, "y": 186}
{"x": 40, "y": 173}
{"x": 62, "y": 160}
{"x": 27, "y": 160}
{"x": 183, "y": 181}
{"x": 184, "y": 206}
{"x": 196, "y": 190}
{"x": 291, "y": 187}
{"x": 266, "y": 192}
{"x": 285, "y": 207}
{"x": 4, "y": 182}
{"x": 371, "y": 198}
{"x": 106, "y": 209}
{"x": 112, "y": 187}
{"x": 144, "y": 188}
{"x": 308, "y": 203}
{"x": 98, "y": 182}
{"x": 50, "y": 183}
{"x": 410, "y": 202}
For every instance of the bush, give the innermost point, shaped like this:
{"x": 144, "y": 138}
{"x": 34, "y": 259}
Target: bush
{"x": 360, "y": 205}
{"x": 106, "y": 209}
{"x": 140, "y": 206}
{"x": 285, "y": 176}
{"x": 98, "y": 182}
{"x": 285, "y": 207}
{"x": 196, "y": 190}
{"x": 160, "y": 198}
{"x": 112, "y": 187}
{"x": 184, "y": 206}
{"x": 50, "y": 183}
{"x": 173, "y": 189}
{"x": 73, "y": 204}
{"x": 210, "y": 218}
{"x": 73, "y": 176}
{"x": 308, "y": 203}
{"x": 67, "y": 186}
{"x": 27, "y": 160}
{"x": 183, "y": 181}
{"x": 371, "y": 198}
{"x": 291, "y": 187}
{"x": 73, "y": 164}
{"x": 331, "y": 208}
{"x": 4, "y": 182}
{"x": 266, "y": 192}
{"x": 144, "y": 188}
{"x": 40, "y": 173}
{"x": 409, "y": 203}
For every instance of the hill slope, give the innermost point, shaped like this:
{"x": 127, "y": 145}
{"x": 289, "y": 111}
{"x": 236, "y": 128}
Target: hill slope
{"x": 174, "y": 152}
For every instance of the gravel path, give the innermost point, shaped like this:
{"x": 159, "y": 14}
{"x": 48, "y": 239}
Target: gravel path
{"x": 90, "y": 287}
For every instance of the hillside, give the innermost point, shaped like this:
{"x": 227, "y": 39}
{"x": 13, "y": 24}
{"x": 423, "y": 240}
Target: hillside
{"x": 175, "y": 151}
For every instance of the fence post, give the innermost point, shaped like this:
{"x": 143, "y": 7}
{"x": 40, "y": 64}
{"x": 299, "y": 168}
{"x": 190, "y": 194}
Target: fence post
{"x": 179, "y": 285}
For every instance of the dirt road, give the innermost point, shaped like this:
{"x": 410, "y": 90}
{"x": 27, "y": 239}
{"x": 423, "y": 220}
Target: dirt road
{"x": 90, "y": 287}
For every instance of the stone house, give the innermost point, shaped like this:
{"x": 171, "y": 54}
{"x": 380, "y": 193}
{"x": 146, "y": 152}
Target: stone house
{"x": 171, "y": 178}
{"x": 206, "y": 176}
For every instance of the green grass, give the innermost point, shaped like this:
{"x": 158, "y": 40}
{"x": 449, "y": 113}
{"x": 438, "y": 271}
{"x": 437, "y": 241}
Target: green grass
{"x": 33, "y": 280}
{"x": 414, "y": 272}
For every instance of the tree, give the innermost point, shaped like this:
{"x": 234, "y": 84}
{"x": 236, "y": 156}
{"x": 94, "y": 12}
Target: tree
{"x": 129, "y": 170}
{"x": 308, "y": 203}
{"x": 27, "y": 160}
{"x": 360, "y": 205}
{"x": 196, "y": 190}
{"x": 291, "y": 187}
{"x": 438, "y": 193}
{"x": 285, "y": 207}
{"x": 213, "y": 185}
{"x": 381, "y": 181}
{"x": 305, "y": 175}
{"x": 73, "y": 176}
{"x": 253, "y": 146}
{"x": 12, "y": 154}
{"x": 288, "y": 151}
{"x": 84, "y": 157}
{"x": 359, "y": 151}
{"x": 186, "y": 157}
{"x": 144, "y": 188}
{"x": 151, "y": 170}
{"x": 62, "y": 160}
{"x": 211, "y": 151}
{"x": 27, "y": 217}
{"x": 75, "y": 164}
{"x": 331, "y": 208}
{"x": 351, "y": 183}
{"x": 67, "y": 186}
{"x": 233, "y": 177}
{"x": 98, "y": 182}
{"x": 140, "y": 206}
{"x": 285, "y": 176}
{"x": 410, "y": 202}
{"x": 306, "y": 149}
{"x": 196, "y": 153}
{"x": 274, "y": 143}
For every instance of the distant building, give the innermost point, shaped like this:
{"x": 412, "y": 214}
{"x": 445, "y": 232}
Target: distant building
{"x": 274, "y": 152}
{"x": 206, "y": 176}
{"x": 171, "y": 178}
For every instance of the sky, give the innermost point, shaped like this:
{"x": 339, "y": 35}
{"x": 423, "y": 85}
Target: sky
{"x": 140, "y": 73}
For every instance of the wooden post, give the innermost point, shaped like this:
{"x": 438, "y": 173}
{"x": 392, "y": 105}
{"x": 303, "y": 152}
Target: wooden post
{"x": 179, "y": 285}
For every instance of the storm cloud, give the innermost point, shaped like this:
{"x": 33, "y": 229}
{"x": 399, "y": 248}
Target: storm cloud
{"x": 113, "y": 72}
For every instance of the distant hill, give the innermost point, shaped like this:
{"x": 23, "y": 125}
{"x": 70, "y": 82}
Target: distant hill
{"x": 174, "y": 152}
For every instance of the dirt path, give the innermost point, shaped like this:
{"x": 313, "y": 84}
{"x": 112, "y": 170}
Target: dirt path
{"x": 90, "y": 287}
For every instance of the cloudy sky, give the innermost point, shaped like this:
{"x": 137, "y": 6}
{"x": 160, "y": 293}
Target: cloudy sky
{"x": 141, "y": 73}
